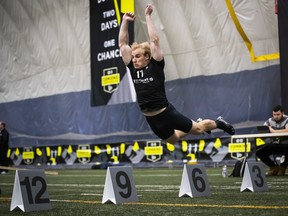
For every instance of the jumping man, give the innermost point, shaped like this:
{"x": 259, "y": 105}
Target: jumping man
{"x": 146, "y": 64}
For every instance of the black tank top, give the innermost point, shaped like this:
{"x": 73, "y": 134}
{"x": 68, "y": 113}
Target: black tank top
{"x": 149, "y": 83}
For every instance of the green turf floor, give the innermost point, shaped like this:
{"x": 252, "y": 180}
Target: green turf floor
{"x": 79, "y": 192}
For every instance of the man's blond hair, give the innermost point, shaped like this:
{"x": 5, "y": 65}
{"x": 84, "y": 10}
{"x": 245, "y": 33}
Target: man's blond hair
{"x": 145, "y": 46}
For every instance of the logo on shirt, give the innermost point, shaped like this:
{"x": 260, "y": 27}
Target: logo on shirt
{"x": 140, "y": 78}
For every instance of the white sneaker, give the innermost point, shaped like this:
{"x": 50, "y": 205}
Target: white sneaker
{"x": 3, "y": 172}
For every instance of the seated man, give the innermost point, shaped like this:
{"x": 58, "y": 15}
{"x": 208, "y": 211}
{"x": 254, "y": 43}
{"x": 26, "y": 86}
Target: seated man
{"x": 277, "y": 124}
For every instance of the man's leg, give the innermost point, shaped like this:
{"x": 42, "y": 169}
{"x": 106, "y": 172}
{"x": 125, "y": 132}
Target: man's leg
{"x": 264, "y": 152}
{"x": 201, "y": 126}
{"x": 3, "y": 161}
{"x": 218, "y": 123}
{"x": 282, "y": 149}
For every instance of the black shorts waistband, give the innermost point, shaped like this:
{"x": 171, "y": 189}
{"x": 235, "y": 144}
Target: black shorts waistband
{"x": 154, "y": 109}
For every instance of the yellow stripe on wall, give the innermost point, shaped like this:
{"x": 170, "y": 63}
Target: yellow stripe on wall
{"x": 127, "y": 6}
{"x": 248, "y": 43}
{"x": 117, "y": 12}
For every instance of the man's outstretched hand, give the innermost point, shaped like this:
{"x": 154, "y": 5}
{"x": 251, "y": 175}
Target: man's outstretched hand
{"x": 149, "y": 9}
{"x": 129, "y": 16}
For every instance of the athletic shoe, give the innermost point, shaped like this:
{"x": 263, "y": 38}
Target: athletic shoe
{"x": 281, "y": 171}
{"x": 225, "y": 126}
{"x": 273, "y": 171}
{"x": 199, "y": 120}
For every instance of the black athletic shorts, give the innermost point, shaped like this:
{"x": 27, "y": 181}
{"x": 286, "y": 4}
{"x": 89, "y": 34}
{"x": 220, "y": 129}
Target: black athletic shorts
{"x": 164, "y": 124}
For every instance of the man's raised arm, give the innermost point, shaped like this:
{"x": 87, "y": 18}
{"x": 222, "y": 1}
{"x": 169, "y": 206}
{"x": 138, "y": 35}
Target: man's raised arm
{"x": 156, "y": 51}
{"x": 123, "y": 37}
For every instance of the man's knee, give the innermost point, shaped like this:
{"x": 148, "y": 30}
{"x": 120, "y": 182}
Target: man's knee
{"x": 173, "y": 139}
